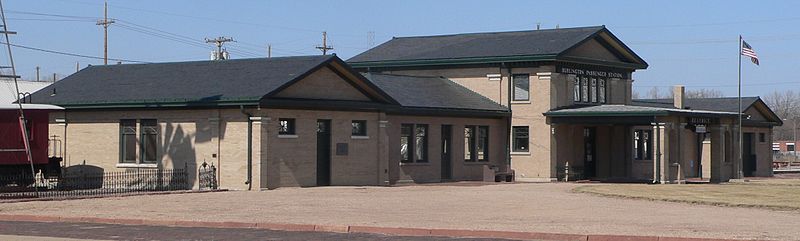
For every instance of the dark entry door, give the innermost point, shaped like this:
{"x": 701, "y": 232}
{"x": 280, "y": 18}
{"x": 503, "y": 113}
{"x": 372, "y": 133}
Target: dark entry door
{"x": 749, "y": 157}
{"x": 323, "y": 152}
{"x": 447, "y": 168}
{"x": 589, "y": 150}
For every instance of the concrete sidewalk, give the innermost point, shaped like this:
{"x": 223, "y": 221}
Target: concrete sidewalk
{"x": 524, "y": 208}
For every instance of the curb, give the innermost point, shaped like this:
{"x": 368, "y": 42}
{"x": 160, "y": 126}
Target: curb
{"x": 109, "y": 195}
{"x": 459, "y": 233}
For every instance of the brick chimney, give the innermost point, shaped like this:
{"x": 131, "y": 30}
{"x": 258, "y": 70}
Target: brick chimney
{"x": 678, "y": 98}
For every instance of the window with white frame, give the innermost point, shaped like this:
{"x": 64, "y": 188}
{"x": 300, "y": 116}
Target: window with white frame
{"x": 521, "y": 87}
{"x": 521, "y": 138}
{"x": 642, "y": 145}
{"x": 146, "y": 143}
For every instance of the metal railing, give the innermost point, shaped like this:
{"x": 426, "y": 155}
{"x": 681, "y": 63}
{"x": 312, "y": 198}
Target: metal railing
{"x": 207, "y": 176}
{"x": 76, "y": 184}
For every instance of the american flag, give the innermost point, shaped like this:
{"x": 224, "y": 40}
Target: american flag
{"x": 749, "y": 52}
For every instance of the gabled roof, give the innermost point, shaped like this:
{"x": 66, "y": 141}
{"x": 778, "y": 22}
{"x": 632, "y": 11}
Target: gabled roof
{"x": 470, "y": 48}
{"x": 432, "y": 92}
{"x": 725, "y": 104}
{"x": 196, "y": 83}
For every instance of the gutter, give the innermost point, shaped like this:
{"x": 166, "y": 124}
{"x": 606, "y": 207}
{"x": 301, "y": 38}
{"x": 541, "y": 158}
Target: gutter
{"x": 249, "y": 181}
{"x": 510, "y": 117}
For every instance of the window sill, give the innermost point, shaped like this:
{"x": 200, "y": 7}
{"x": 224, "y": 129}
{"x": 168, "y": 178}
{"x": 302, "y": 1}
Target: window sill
{"x": 359, "y": 137}
{"x": 514, "y": 153}
{"x": 287, "y": 136}
{"x": 478, "y": 163}
{"x": 415, "y": 164}
{"x": 520, "y": 102}
{"x": 136, "y": 165}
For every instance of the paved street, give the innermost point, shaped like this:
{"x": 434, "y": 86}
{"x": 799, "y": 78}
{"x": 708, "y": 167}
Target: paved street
{"x": 87, "y": 231}
{"x": 547, "y": 208}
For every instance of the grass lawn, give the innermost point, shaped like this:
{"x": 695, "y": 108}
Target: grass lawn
{"x": 779, "y": 194}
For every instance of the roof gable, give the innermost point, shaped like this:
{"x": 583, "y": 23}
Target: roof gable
{"x": 594, "y": 50}
{"x": 323, "y": 84}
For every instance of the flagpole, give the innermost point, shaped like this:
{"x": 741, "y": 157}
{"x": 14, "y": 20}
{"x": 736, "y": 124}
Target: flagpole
{"x": 739, "y": 174}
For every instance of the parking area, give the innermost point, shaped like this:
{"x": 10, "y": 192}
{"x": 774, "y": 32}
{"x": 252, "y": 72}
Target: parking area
{"x": 550, "y": 207}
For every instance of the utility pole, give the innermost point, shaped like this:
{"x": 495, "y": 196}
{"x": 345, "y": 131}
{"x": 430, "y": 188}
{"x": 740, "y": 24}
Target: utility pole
{"x": 22, "y": 121}
{"x": 54, "y": 77}
{"x": 269, "y": 50}
{"x": 77, "y": 66}
{"x": 37, "y": 73}
{"x": 325, "y": 47}
{"x": 220, "y": 54}
{"x": 105, "y": 22}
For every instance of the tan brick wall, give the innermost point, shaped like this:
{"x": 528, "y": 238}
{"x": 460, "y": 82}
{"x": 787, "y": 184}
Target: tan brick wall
{"x": 187, "y": 138}
{"x": 293, "y": 161}
{"x": 431, "y": 171}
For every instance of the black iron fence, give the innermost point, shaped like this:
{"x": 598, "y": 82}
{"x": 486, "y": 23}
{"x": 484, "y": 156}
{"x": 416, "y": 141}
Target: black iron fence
{"x": 207, "y": 176}
{"x": 76, "y": 184}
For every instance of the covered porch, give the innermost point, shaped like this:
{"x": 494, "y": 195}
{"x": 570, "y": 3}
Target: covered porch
{"x": 624, "y": 143}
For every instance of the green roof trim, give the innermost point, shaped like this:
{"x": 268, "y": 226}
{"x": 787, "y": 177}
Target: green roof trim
{"x": 452, "y": 61}
{"x": 607, "y": 113}
{"x": 161, "y": 103}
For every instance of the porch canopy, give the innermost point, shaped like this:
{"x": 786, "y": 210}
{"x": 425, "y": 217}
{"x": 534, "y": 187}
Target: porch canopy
{"x": 624, "y": 114}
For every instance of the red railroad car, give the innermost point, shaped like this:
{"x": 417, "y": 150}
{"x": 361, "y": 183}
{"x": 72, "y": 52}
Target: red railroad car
{"x": 13, "y": 159}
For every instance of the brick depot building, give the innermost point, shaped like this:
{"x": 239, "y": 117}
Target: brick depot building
{"x": 570, "y": 94}
{"x": 413, "y": 109}
{"x": 277, "y": 122}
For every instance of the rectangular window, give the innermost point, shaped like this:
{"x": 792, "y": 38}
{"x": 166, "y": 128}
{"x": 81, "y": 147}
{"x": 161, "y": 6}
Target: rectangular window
{"x": 127, "y": 132}
{"x": 483, "y": 143}
{"x": 576, "y": 92}
{"x": 642, "y": 144}
{"x": 593, "y": 91}
{"x": 421, "y": 143}
{"x": 520, "y": 138}
{"x": 286, "y": 126}
{"x": 413, "y": 143}
{"x": 762, "y": 137}
{"x": 584, "y": 89}
{"x": 469, "y": 142}
{"x": 790, "y": 147}
{"x": 359, "y": 128}
{"x": 405, "y": 140}
{"x": 149, "y": 141}
{"x": 601, "y": 90}
{"x": 476, "y": 143}
{"x": 521, "y": 87}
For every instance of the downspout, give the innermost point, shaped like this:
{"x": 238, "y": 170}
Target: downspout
{"x": 249, "y": 181}
{"x": 508, "y": 126}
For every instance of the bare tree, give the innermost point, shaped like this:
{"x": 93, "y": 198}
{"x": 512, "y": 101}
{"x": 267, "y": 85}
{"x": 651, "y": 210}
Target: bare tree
{"x": 635, "y": 95}
{"x": 785, "y": 104}
{"x": 703, "y": 93}
{"x": 657, "y": 93}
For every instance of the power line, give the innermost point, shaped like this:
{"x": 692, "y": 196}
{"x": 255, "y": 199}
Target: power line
{"x": 71, "y": 54}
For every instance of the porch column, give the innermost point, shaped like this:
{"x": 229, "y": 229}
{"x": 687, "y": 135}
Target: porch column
{"x": 717, "y": 153}
{"x": 256, "y": 153}
{"x": 383, "y": 150}
{"x": 662, "y": 162}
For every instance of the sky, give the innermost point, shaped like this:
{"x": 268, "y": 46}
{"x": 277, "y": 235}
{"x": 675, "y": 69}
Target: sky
{"x": 694, "y": 43}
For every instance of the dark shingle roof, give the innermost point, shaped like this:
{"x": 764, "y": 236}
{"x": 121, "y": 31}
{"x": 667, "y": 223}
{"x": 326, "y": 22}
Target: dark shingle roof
{"x": 725, "y": 104}
{"x": 535, "y": 42}
{"x": 180, "y": 82}
{"x": 432, "y": 92}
